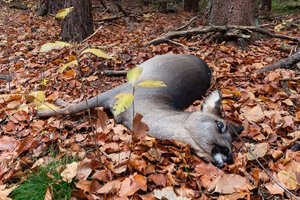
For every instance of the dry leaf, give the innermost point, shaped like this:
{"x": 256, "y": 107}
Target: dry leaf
{"x": 168, "y": 193}
{"x": 132, "y": 184}
{"x": 288, "y": 179}
{"x": 230, "y": 183}
{"x": 110, "y": 187}
{"x": 139, "y": 128}
{"x": 254, "y": 114}
{"x": 70, "y": 172}
{"x": 48, "y": 195}
{"x": 258, "y": 150}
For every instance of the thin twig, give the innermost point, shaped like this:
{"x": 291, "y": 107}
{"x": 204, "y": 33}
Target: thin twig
{"x": 263, "y": 168}
{"x": 187, "y": 24}
{"x": 91, "y": 35}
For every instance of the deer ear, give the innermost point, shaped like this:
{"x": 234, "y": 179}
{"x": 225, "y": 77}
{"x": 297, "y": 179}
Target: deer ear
{"x": 212, "y": 103}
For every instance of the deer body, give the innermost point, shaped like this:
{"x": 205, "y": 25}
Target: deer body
{"x": 187, "y": 78}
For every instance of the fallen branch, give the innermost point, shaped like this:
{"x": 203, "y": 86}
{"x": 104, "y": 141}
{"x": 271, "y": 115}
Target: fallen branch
{"x": 182, "y": 45}
{"x": 187, "y": 24}
{"x": 283, "y": 63}
{"x": 207, "y": 29}
{"x": 114, "y": 73}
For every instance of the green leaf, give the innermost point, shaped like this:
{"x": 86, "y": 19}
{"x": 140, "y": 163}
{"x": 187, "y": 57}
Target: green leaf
{"x": 62, "y": 13}
{"x": 124, "y": 101}
{"x": 56, "y": 45}
{"x": 134, "y": 74}
{"x": 151, "y": 83}
{"x": 97, "y": 52}
{"x": 62, "y": 69}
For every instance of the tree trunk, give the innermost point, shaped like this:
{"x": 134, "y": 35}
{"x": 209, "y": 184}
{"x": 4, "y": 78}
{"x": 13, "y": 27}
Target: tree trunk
{"x": 266, "y": 6}
{"x": 234, "y": 12}
{"x": 191, "y": 5}
{"x": 49, "y": 7}
{"x": 79, "y": 23}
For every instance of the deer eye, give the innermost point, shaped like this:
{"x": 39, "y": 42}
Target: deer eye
{"x": 222, "y": 128}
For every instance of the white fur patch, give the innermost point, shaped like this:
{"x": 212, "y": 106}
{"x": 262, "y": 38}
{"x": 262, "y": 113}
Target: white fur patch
{"x": 212, "y": 99}
{"x": 218, "y": 158}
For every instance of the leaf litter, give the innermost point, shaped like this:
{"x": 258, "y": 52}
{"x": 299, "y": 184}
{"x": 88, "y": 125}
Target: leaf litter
{"x": 110, "y": 164}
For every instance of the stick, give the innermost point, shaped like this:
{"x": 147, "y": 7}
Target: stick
{"x": 207, "y": 29}
{"x": 187, "y": 24}
{"x": 283, "y": 63}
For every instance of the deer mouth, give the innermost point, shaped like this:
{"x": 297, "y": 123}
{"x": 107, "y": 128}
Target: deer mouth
{"x": 221, "y": 155}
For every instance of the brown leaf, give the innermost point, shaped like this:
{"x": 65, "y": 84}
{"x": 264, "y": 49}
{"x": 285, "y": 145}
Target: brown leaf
{"x": 132, "y": 184}
{"x": 53, "y": 97}
{"x": 102, "y": 119}
{"x": 8, "y": 143}
{"x": 48, "y": 195}
{"x": 104, "y": 175}
{"x": 158, "y": 179}
{"x": 139, "y": 128}
{"x": 230, "y": 183}
{"x": 254, "y": 114}
{"x": 84, "y": 185}
{"x": 258, "y": 150}
{"x": 84, "y": 169}
{"x": 167, "y": 193}
{"x": 27, "y": 144}
{"x": 273, "y": 188}
{"x": 110, "y": 187}
{"x": 183, "y": 191}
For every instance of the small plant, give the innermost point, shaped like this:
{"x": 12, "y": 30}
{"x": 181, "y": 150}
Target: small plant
{"x": 46, "y": 179}
{"x": 125, "y": 100}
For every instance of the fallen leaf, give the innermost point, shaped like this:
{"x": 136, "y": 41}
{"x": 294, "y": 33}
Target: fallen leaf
{"x": 132, "y": 184}
{"x": 230, "y": 183}
{"x": 258, "y": 150}
{"x": 168, "y": 193}
{"x": 84, "y": 185}
{"x": 158, "y": 179}
{"x": 288, "y": 179}
{"x": 110, "y": 187}
{"x": 139, "y": 128}
{"x": 70, "y": 172}
{"x": 254, "y": 114}
{"x": 48, "y": 195}
{"x": 84, "y": 169}
{"x": 273, "y": 188}
{"x": 4, "y": 192}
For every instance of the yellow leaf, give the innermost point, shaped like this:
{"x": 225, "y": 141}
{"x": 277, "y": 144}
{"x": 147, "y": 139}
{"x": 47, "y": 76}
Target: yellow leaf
{"x": 39, "y": 97}
{"x": 47, "y": 106}
{"x": 97, "y": 52}
{"x": 124, "y": 101}
{"x": 134, "y": 74}
{"x": 288, "y": 179}
{"x": 151, "y": 83}
{"x": 62, "y": 13}
{"x": 62, "y": 69}
{"x": 56, "y": 45}
{"x": 44, "y": 82}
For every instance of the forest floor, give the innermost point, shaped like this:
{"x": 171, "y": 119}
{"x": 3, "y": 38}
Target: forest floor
{"x": 100, "y": 161}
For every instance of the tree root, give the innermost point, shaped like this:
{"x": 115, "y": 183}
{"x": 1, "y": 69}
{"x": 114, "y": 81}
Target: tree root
{"x": 286, "y": 63}
{"x": 208, "y": 29}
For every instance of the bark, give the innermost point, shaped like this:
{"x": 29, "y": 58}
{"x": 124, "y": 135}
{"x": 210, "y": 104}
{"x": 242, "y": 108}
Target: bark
{"x": 191, "y": 5}
{"x": 50, "y": 7}
{"x": 286, "y": 63}
{"x": 234, "y": 12}
{"x": 266, "y": 6}
{"x": 78, "y": 25}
